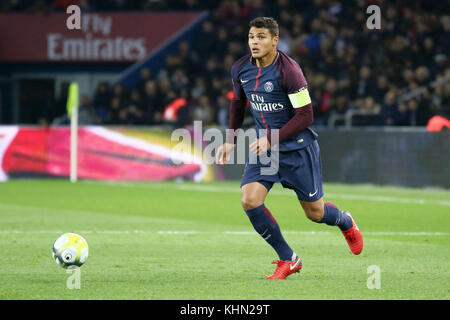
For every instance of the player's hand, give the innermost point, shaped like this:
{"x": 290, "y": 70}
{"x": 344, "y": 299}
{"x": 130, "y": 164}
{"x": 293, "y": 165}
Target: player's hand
{"x": 260, "y": 146}
{"x": 223, "y": 154}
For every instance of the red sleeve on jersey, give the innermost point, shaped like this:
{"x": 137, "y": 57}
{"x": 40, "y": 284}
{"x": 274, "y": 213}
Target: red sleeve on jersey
{"x": 303, "y": 118}
{"x": 291, "y": 75}
{"x": 236, "y": 115}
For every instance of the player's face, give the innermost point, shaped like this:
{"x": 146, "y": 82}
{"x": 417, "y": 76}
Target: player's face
{"x": 261, "y": 42}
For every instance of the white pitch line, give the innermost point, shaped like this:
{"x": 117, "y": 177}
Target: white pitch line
{"x": 216, "y": 189}
{"x": 188, "y": 232}
{"x": 406, "y": 233}
{"x": 284, "y": 232}
{"x": 178, "y": 232}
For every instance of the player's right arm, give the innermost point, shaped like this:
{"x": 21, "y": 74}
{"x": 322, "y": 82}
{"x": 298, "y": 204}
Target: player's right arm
{"x": 236, "y": 119}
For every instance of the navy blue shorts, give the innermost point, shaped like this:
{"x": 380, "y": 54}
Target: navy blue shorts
{"x": 299, "y": 170}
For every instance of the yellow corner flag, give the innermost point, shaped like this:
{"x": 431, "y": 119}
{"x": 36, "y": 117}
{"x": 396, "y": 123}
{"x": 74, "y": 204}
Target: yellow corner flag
{"x": 72, "y": 98}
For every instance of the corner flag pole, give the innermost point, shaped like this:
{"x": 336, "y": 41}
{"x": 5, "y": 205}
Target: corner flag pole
{"x": 72, "y": 111}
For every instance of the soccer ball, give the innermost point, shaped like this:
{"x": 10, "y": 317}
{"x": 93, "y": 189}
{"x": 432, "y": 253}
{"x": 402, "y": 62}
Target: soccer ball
{"x": 70, "y": 250}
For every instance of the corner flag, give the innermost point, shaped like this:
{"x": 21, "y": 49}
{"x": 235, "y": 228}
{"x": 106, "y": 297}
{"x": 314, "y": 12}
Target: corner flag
{"x": 72, "y": 98}
{"x": 72, "y": 111}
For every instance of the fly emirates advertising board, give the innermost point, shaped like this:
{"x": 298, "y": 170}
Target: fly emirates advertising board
{"x": 106, "y": 37}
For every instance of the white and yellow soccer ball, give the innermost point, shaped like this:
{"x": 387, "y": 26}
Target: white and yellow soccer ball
{"x": 70, "y": 250}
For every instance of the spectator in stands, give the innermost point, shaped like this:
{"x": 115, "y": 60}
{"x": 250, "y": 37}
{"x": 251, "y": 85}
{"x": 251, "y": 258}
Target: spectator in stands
{"x": 445, "y": 98}
{"x": 190, "y": 58}
{"x": 86, "y": 112}
{"x": 314, "y": 38}
{"x": 114, "y": 115}
{"x": 203, "y": 111}
{"x": 198, "y": 88}
{"x": 327, "y": 103}
{"x": 57, "y": 111}
{"x": 407, "y": 78}
{"x": 120, "y": 93}
{"x": 145, "y": 77}
{"x": 180, "y": 110}
{"x": 223, "y": 105}
{"x": 381, "y": 89}
{"x": 345, "y": 63}
{"x": 133, "y": 112}
{"x": 388, "y": 109}
{"x": 340, "y": 105}
{"x": 413, "y": 107}
{"x": 151, "y": 104}
{"x": 154, "y": 5}
{"x": 168, "y": 94}
{"x": 85, "y": 6}
{"x": 102, "y": 101}
{"x": 179, "y": 79}
{"x": 221, "y": 42}
{"x": 402, "y": 115}
{"x": 257, "y": 9}
{"x": 365, "y": 83}
{"x": 370, "y": 106}
{"x": 422, "y": 76}
{"x": 206, "y": 40}
{"x": 173, "y": 62}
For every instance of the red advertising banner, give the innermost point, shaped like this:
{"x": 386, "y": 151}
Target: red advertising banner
{"x": 105, "y": 37}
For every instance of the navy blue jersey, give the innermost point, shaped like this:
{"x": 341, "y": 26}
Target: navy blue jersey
{"x": 270, "y": 91}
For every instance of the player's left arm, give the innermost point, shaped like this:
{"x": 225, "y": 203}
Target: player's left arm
{"x": 302, "y": 119}
{"x": 296, "y": 87}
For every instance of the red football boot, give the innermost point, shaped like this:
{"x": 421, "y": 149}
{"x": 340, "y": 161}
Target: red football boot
{"x": 286, "y": 268}
{"x": 353, "y": 236}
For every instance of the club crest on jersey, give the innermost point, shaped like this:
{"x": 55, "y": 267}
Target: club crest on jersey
{"x": 268, "y": 86}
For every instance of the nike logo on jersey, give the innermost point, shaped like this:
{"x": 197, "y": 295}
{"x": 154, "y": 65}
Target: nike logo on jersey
{"x": 244, "y": 81}
{"x": 313, "y": 194}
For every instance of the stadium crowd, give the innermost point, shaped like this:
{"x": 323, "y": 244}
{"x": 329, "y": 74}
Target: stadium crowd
{"x": 347, "y": 66}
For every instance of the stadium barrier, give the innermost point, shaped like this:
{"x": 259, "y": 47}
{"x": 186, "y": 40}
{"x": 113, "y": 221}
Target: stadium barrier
{"x": 384, "y": 156}
{"x": 404, "y": 156}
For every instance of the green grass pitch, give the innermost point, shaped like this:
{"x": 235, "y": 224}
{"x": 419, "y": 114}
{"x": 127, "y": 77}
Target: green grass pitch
{"x": 193, "y": 241}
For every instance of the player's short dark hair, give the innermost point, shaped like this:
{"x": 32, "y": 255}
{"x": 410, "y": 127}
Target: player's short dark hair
{"x": 266, "y": 22}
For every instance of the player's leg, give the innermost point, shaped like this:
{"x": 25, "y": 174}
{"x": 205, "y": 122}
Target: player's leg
{"x": 253, "y": 197}
{"x": 254, "y": 194}
{"x": 304, "y": 175}
{"x": 326, "y": 212}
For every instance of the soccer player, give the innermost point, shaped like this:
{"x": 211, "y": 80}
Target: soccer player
{"x": 278, "y": 97}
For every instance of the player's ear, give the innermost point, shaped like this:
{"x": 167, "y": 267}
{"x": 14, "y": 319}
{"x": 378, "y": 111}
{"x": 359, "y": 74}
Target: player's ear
{"x": 275, "y": 40}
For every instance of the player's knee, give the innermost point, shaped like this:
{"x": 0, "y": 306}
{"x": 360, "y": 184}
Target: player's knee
{"x": 314, "y": 214}
{"x": 250, "y": 202}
